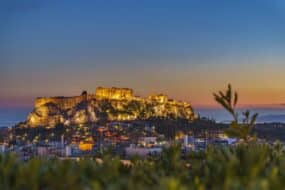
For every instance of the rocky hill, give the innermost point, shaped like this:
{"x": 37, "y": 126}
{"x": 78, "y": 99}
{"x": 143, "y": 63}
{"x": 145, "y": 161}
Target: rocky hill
{"x": 105, "y": 104}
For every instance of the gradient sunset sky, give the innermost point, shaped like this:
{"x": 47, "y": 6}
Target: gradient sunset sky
{"x": 186, "y": 49}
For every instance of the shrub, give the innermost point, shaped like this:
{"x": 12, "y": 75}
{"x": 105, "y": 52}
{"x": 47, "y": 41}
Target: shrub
{"x": 245, "y": 166}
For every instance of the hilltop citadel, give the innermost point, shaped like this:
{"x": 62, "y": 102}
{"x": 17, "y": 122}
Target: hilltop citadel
{"x": 105, "y": 104}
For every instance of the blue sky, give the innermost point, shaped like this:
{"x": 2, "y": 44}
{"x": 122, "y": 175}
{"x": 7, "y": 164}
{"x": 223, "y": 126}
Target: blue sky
{"x": 67, "y": 46}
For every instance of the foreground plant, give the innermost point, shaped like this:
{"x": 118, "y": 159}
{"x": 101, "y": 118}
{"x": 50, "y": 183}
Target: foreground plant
{"x": 241, "y": 130}
{"x": 245, "y": 166}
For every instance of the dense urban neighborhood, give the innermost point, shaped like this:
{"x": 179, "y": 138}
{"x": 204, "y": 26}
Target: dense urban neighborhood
{"x": 115, "y": 120}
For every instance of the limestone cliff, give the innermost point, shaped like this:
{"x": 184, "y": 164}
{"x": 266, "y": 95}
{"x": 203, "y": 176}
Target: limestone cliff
{"x": 106, "y": 103}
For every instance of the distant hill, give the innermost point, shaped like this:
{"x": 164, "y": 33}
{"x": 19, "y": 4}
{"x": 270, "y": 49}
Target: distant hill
{"x": 271, "y": 118}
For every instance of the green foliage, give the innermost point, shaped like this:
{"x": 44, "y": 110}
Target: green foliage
{"x": 245, "y": 166}
{"x": 228, "y": 100}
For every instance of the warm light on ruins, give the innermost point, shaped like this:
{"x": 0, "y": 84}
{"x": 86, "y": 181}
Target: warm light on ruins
{"x": 116, "y": 103}
{"x": 32, "y": 119}
{"x": 114, "y": 93}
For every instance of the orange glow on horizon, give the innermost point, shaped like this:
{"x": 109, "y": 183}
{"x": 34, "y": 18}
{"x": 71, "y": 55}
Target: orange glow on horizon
{"x": 257, "y": 84}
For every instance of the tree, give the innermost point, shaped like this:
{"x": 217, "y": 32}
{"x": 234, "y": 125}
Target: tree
{"x": 84, "y": 93}
{"x": 242, "y": 130}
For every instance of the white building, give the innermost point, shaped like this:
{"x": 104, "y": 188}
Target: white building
{"x": 42, "y": 151}
{"x": 147, "y": 141}
{"x": 133, "y": 150}
{"x": 68, "y": 151}
{"x": 3, "y": 148}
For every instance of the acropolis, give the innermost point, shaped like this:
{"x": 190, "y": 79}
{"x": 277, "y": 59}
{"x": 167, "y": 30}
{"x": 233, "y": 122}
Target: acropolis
{"x": 105, "y": 103}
